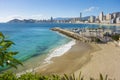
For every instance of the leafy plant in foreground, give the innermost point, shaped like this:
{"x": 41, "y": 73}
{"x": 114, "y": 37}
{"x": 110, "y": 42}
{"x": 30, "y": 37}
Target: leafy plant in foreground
{"x": 8, "y": 76}
{"x": 102, "y": 78}
{"x": 31, "y": 76}
{"x": 7, "y": 56}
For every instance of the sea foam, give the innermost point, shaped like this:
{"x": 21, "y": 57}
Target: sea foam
{"x": 59, "y": 51}
{"x": 55, "y": 53}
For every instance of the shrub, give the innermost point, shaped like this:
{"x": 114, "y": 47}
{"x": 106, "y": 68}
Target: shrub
{"x": 115, "y": 37}
{"x": 31, "y": 76}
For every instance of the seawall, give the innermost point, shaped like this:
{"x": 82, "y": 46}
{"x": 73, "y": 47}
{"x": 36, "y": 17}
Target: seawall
{"x": 70, "y": 34}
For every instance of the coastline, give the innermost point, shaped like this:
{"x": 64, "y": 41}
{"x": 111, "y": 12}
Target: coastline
{"x": 86, "y": 62}
{"x": 55, "y": 52}
{"x": 71, "y": 61}
{"x": 59, "y": 51}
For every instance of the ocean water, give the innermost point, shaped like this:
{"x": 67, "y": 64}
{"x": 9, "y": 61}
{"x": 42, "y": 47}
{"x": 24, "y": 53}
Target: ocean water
{"x": 36, "y": 43}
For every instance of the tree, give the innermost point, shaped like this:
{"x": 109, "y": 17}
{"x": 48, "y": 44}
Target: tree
{"x": 7, "y": 56}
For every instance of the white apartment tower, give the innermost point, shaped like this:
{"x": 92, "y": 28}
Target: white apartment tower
{"x": 118, "y": 20}
{"x": 101, "y": 16}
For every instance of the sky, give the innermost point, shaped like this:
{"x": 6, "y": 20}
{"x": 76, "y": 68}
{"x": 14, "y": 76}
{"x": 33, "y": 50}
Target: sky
{"x": 44, "y": 9}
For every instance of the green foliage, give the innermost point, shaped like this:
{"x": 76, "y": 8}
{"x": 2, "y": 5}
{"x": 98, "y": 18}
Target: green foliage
{"x": 6, "y": 56}
{"x": 8, "y": 76}
{"x": 31, "y": 76}
{"x": 80, "y": 77}
{"x": 97, "y": 40}
{"x": 102, "y": 78}
{"x": 72, "y": 77}
{"x": 94, "y": 39}
{"x": 115, "y": 37}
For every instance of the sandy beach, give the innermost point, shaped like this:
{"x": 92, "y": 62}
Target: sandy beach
{"x": 89, "y": 58}
{"x": 105, "y": 61}
{"x": 71, "y": 61}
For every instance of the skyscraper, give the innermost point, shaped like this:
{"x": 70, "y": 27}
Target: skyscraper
{"x": 101, "y": 16}
{"x": 80, "y": 16}
{"x": 51, "y": 19}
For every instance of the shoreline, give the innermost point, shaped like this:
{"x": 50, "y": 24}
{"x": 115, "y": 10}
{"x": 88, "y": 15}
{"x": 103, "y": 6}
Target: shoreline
{"x": 77, "y": 56}
{"x": 59, "y": 51}
{"x": 56, "y": 52}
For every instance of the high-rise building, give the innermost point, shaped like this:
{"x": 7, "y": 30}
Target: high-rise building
{"x": 80, "y": 16}
{"x": 101, "y": 16}
{"x": 108, "y": 17}
{"x": 92, "y": 19}
{"x": 51, "y": 19}
{"x": 114, "y": 15}
{"x": 118, "y": 20}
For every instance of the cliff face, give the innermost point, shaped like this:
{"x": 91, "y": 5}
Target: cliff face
{"x": 70, "y": 34}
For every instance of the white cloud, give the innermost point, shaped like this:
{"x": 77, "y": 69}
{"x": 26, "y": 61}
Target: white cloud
{"x": 91, "y": 9}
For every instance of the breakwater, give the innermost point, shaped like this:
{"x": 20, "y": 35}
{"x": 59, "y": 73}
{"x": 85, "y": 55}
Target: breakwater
{"x": 71, "y": 34}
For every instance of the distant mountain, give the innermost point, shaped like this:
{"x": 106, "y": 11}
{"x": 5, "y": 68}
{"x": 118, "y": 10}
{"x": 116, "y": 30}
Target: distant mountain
{"x": 28, "y": 21}
{"x": 83, "y": 18}
{"x": 39, "y": 21}
{"x": 22, "y": 21}
{"x": 86, "y": 18}
{"x": 15, "y": 21}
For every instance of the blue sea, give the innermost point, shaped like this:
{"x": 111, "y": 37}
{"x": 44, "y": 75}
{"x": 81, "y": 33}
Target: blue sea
{"x": 35, "y": 42}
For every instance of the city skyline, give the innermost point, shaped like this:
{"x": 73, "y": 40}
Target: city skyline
{"x": 44, "y": 9}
